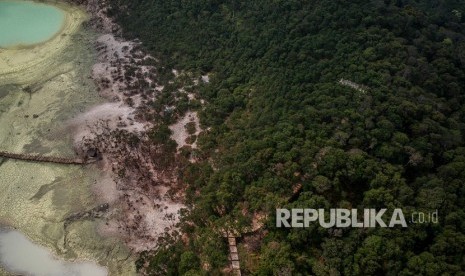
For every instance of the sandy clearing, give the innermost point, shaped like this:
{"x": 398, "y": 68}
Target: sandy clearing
{"x": 179, "y": 130}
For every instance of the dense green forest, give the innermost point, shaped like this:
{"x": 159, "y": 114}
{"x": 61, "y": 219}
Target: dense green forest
{"x": 277, "y": 117}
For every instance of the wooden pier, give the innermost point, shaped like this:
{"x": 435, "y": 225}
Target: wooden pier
{"x": 45, "y": 159}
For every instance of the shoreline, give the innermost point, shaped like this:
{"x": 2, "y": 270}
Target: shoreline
{"x": 49, "y": 255}
{"x": 57, "y": 71}
{"x": 143, "y": 206}
{"x": 60, "y": 30}
{"x": 22, "y": 65}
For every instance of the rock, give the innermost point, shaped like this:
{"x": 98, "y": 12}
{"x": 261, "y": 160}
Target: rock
{"x": 92, "y": 153}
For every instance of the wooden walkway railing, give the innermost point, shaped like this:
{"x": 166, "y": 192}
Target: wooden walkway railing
{"x": 47, "y": 159}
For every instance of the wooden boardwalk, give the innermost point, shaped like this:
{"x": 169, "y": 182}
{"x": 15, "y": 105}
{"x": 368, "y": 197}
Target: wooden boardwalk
{"x": 46, "y": 159}
{"x": 234, "y": 256}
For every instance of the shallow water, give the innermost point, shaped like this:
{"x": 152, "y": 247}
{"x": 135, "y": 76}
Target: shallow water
{"x": 25, "y": 22}
{"x": 20, "y": 255}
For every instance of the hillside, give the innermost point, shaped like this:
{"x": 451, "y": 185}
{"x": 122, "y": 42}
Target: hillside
{"x": 278, "y": 116}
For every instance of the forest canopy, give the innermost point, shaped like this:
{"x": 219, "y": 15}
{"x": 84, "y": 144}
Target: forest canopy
{"x": 278, "y": 117}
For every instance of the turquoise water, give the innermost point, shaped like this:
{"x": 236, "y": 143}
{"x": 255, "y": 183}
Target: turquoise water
{"x": 26, "y": 23}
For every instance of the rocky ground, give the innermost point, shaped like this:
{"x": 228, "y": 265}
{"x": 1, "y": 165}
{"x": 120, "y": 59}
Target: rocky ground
{"x": 141, "y": 187}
